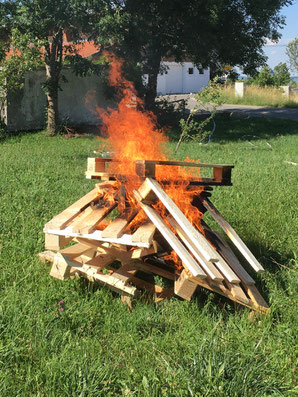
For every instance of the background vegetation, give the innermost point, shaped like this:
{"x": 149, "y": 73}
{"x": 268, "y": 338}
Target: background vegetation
{"x": 95, "y": 346}
{"x": 261, "y": 96}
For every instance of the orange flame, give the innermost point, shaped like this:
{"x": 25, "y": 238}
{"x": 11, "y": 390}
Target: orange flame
{"x": 133, "y": 135}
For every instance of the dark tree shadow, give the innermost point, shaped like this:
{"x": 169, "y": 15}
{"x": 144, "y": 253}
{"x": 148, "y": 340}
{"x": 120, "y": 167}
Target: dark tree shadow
{"x": 246, "y": 128}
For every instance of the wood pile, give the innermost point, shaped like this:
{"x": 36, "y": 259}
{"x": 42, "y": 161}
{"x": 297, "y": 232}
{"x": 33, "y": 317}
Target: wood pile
{"x": 130, "y": 257}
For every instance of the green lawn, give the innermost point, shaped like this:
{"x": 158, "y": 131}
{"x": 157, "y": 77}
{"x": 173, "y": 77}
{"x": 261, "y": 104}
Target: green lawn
{"x": 96, "y": 347}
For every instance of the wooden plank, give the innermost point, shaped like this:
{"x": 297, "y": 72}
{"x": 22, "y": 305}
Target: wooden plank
{"x": 221, "y": 173}
{"x": 106, "y": 186}
{"x": 96, "y": 235}
{"x": 116, "y": 253}
{"x": 87, "y": 256}
{"x": 62, "y": 266}
{"x": 237, "y": 292}
{"x": 104, "y": 176}
{"x": 184, "y": 287}
{"x": 144, "y": 233}
{"x": 222, "y": 290}
{"x": 256, "y": 297}
{"x": 152, "y": 269}
{"x": 227, "y": 228}
{"x": 60, "y": 221}
{"x": 74, "y": 250}
{"x": 208, "y": 267}
{"x": 197, "y": 239}
{"x": 181, "y": 251}
{"x": 232, "y": 260}
{"x": 100, "y": 261}
{"x": 88, "y": 222}
{"x": 152, "y": 288}
{"x": 109, "y": 280}
{"x": 54, "y": 242}
{"x": 140, "y": 252}
{"x": 205, "y": 248}
{"x": 47, "y": 256}
{"x": 181, "y": 163}
{"x": 116, "y": 227}
{"x": 96, "y": 164}
{"x": 125, "y": 273}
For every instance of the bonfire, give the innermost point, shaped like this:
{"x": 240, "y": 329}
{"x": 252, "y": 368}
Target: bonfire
{"x": 157, "y": 227}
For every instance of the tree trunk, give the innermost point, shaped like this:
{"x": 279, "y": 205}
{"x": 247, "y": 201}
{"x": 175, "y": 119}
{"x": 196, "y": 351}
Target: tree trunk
{"x": 53, "y": 61}
{"x": 52, "y": 97}
{"x": 152, "y": 84}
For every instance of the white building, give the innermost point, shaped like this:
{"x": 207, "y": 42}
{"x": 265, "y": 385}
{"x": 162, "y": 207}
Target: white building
{"x": 181, "y": 78}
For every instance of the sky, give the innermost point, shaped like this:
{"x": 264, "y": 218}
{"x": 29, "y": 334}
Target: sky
{"x": 276, "y": 52}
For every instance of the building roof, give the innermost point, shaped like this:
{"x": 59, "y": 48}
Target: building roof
{"x": 85, "y": 48}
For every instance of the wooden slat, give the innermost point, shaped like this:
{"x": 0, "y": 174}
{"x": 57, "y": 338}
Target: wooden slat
{"x": 208, "y": 267}
{"x": 116, "y": 253}
{"x": 227, "y": 228}
{"x": 88, "y": 222}
{"x": 222, "y": 290}
{"x": 144, "y": 233}
{"x": 47, "y": 256}
{"x": 184, "y": 287}
{"x": 256, "y": 297}
{"x": 110, "y": 281}
{"x": 140, "y": 252}
{"x": 161, "y": 293}
{"x": 152, "y": 269}
{"x": 205, "y": 248}
{"x": 100, "y": 261}
{"x": 197, "y": 239}
{"x": 96, "y": 235}
{"x": 125, "y": 273}
{"x": 62, "y": 266}
{"x": 238, "y": 293}
{"x": 74, "y": 250}
{"x": 182, "y": 164}
{"x": 181, "y": 251}
{"x": 117, "y": 226}
{"x": 232, "y": 260}
{"x": 61, "y": 220}
{"x": 54, "y": 242}
{"x": 96, "y": 164}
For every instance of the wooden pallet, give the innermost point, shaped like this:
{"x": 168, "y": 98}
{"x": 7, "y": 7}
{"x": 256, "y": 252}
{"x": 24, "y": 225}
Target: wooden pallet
{"x": 98, "y": 168}
{"x": 206, "y": 260}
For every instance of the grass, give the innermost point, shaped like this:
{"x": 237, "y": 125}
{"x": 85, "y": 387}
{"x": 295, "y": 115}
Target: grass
{"x": 261, "y": 96}
{"x": 96, "y": 347}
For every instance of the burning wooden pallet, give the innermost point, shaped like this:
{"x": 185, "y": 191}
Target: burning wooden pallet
{"x": 127, "y": 253}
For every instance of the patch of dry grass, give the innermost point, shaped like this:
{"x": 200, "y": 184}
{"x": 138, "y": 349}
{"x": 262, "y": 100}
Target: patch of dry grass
{"x": 261, "y": 96}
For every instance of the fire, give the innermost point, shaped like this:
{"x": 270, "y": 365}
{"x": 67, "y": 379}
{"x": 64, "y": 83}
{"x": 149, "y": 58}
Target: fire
{"x": 132, "y": 133}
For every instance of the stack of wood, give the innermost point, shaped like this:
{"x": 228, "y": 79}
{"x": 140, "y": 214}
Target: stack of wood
{"x": 131, "y": 259}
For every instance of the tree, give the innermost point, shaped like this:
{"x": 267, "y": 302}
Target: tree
{"x": 267, "y": 77}
{"x": 292, "y": 53}
{"x": 45, "y": 22}
{"x": 281, "y": 75}
{"x": 210, "y": 33}
{"x": 264, "y": 77}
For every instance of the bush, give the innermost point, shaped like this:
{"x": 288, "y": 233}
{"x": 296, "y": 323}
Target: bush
{"x": 266, "y": 77}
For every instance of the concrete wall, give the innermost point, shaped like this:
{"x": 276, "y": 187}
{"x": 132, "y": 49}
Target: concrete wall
{"x": 27, "y": 109}
{"x": 177, "y": 79}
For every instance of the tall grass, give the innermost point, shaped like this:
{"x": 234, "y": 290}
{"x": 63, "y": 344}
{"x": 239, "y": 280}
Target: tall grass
{"x": 260, "y": 96}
